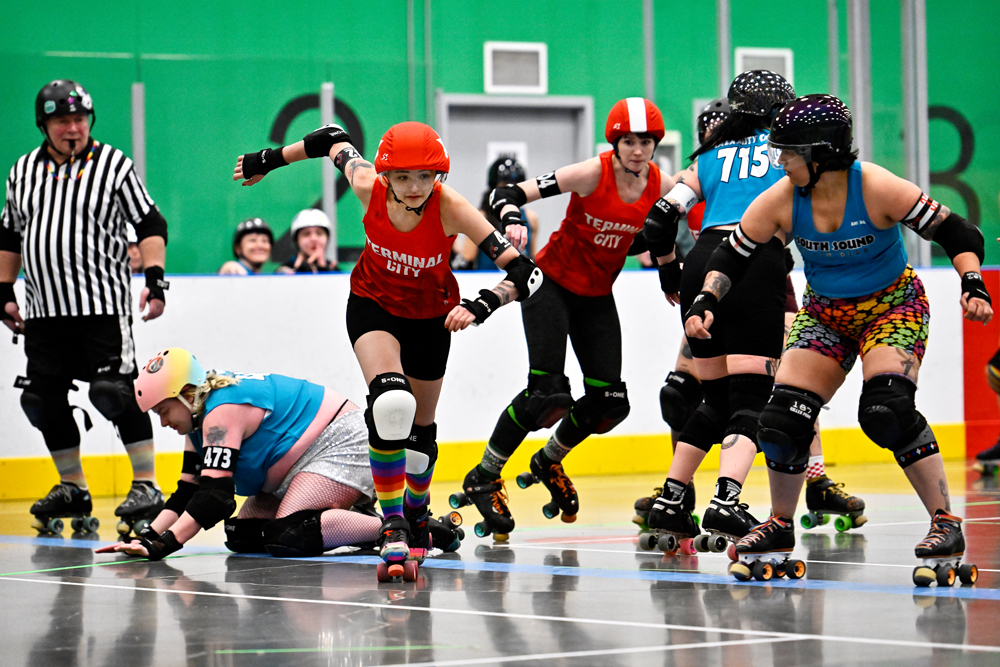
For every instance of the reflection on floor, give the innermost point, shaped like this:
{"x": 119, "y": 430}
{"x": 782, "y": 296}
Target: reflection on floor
{"x": 580, "y": 594}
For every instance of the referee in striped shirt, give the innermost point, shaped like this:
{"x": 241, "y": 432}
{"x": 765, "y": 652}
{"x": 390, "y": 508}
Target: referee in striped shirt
{"x": 68, "y": 203}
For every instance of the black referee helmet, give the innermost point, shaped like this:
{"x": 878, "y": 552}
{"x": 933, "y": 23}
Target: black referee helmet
{"x": 61, "y": 98}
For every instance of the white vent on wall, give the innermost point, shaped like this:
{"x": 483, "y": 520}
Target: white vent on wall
{"x": 776, "y": 60}
{"x": 516, "y": 67}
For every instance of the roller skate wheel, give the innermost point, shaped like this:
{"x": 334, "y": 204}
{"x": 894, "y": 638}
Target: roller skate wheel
{"x": 762, "y": 570}
{"x": 410, "y": 569}
{"x": 946, "y": 575}
{"x": 395, "y": 570}
{"x": 461, "y": 534}
{"x": 55, "y": 526}
{"x": 525, "y": 479}
{"x": 687, "y": 548}
{"x": 76, "y": 523}
{"x": 740, "y": 571}
{"x": 417, "y": 555}
{"x": 667, "y": 543}
{"x": 453, "y": 518}
{"x": 382, "y": 573}
{"x": 860, "y": 520}
{"x": 38, "y": 525}
{"x": 91, "y": 524}
{"x": 923, "y": 576}
{"x": 647, "y": 541}
{"x": 696, "y": 519}
{"x": 795, "y": 569}
{"x": 141, "y": 525}
{"x": 457, "y": 500}
{"x": 717, "y": 544}
{"x": 968, "y": 573}
{"x": 550, "y": 510}
{"x": 808, "y": 520}
{"x": 482, "y": 529}
{"x": 824, "y": 519}
{"x": 700, "y": 543}
{"x": 731, "y": 552}
{"x": 568, "y": 518}
{"x": 501, "y": 537}
{"x": 843, "y": 523}
{"x": 123, "y": 528}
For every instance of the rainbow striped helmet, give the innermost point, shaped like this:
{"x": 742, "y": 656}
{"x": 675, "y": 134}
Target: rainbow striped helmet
{"x": 166, "y": 375}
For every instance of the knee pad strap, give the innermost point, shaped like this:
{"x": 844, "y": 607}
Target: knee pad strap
{"x": 298, "y": 534}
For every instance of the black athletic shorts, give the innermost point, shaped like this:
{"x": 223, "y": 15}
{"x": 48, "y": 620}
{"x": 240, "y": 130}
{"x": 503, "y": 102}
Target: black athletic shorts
{"x": 423, "y": 344}
{"x": 78, "y": 348}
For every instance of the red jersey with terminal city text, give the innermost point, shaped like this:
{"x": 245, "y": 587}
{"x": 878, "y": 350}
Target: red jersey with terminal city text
{"x": 406, "y": 273}
{"x": 588, "y": 250}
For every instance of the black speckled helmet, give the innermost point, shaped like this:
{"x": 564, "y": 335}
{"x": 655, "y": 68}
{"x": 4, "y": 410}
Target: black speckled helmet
{"x": 250, "y": 226}
{"x": 61, "y": 98}
{"x": 759, "y": 92}
{"x": 817, "y": 128}
{"x": 714, "y": 113}
{"x": 505, "y": 170}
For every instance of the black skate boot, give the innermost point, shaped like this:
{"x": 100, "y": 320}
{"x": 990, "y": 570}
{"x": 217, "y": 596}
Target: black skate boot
{"x": 420, "y": 536}
{"x": 64, "y": 500}
{"x": 560, "y": 487}
{"x": 726, "y": 521}
{"x": 644, "y": 505}
{"x": 670, "y": 522}
{"x": 446, "y": 532}
{"x": 394, "y": 549}
{"x": 988, "y": 460}
{"x": 143, "y": 502}
{"x": 942, "y": 551}
{"x": 763, "y": 552}
{"x": 825, "y": 498}
{"x": 490, "y": 498}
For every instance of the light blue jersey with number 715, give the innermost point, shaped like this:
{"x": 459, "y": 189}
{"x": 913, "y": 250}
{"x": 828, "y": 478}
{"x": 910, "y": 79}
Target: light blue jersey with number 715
{"x": 732, "y": 175}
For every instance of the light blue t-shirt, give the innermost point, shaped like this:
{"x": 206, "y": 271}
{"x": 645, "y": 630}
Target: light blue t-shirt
{"x": 731, "y": 176}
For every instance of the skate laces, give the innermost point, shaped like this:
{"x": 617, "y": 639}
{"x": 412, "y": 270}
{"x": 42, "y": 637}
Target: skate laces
{"x": 941, "y": 525}
{"x": 558, "y": 477}
{"x": 760, "y": 531}
{"x": 499, "y": 499}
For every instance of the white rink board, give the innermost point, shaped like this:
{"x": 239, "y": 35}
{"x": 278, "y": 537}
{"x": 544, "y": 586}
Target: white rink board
{"x": 294, "y": 325}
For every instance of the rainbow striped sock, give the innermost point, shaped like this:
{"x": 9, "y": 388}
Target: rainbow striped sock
{"x": 389, "y": 473}
{"x": 418, "y": 488}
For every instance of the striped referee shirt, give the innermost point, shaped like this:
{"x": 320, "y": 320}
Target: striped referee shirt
{"x": 71, "y": 219}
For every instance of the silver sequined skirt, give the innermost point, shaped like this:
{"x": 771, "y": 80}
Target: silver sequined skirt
{"x": 339, "y": 453}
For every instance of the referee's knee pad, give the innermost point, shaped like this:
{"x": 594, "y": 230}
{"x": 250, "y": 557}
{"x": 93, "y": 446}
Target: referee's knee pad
{"x": 298, "y": 534}
{"x": 46, "y": 406}
{"x": 421, "y": 449}
{"x": 707, "y": 425}
{"x": 245, "y": 536}
{"x": 111, "y": 394}
{"x": 888, "y": 415}
{"x": 546, "y": 400}
{"x": 748, "y": 394}
{"x": 391, "y": 409}
{"x": 602, "y": 407}
{"x": 993, "y": 373}
{"x": 787, "y": 428}
{"x": 680, "y": 396}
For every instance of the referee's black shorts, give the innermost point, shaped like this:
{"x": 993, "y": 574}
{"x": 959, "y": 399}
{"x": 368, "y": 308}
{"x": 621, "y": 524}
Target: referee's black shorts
{"x": 423, "y": 344}
{"x": 79, "y": 348}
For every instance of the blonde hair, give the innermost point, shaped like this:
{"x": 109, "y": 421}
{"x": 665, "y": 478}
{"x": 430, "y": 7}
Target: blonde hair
{"x": 196, "y": 396}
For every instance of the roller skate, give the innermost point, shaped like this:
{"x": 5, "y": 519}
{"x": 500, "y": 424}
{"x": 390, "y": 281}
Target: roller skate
{"x": 394, "y": 550}
{"x": 143, "y": 502}
{"x": 490, "y": 498}
{"x": 643, "y": 505}
{"x": 941, "y": 552}
{"x": 988, "y": 461}
{"x": 763, "y": 553}
{"x": 671, "y": 524}
{"x": 427, "y": 533}
{"x": 824, "y": 498}
{"x": 726, "y": 522}
{"x": 560, "y": 487}
{"x": 65, "y": 500}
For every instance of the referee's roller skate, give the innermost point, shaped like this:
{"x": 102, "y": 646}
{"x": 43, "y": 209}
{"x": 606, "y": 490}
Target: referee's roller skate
{"x": 671, "y": 524}
{"x": 490, "y": 498}
{"x": 764, "y": 553}
{"x": 988, "y": 461}
{"x": 941, "y": 552}
{"x": 726, "y": 522}
{"x": 65, "y": 500}
{"x": 394, "y": 549}
{"x": 824, "y": 498}
{"x": 643, "y": 505}
{"x": 561, "y": 489}
{"x": 143, "y": 502}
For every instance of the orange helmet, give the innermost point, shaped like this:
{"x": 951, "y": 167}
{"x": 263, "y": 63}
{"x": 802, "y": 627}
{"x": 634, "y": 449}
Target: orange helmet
{"x": 634, "y": 114}
{"x": 411, "y": 145}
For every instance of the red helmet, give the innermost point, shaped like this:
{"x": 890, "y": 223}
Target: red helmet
{"x": 411, "y": 145}
{"x": 634, "y": 114}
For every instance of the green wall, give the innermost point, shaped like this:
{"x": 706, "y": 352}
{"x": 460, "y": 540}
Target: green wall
{"x": 217, "y": 76}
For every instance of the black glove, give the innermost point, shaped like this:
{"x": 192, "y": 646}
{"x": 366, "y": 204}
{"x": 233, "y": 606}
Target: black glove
{"x": 973, "y": 285}
{"x": 319, "y": 142}
{"x": 6, "y": 296}
{"x": 156, "y": 283}
{"x": 262, "y": 162}
{"x": 483, "y": 306}
{"x": 660, "y": 228}
{"x": 670, "y": 276}
{"x": 705, "y": 302}
{"x": 161, "y": 547}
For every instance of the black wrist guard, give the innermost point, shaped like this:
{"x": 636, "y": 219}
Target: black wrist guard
{"x": 670, "y": 276}
{"x": 213, "y": 501}
{"x": 148, "y": 533}
{"x": 502, "y": 196}
{"x": 660, "y": 228}
{"x": 524, "y": 275}
{"x": 345, "y": 156}
{"x": 156, "y": 283}
{"x": 161, "y": 547}
{"x": 262, "y": 162}
{"x": 6, "y": 296}
{"x": 319, "y": 142}
{"x": 179, "y": 499}
{"x": 973, "y": 285}
{"x": 483, "y": 306}
{"x": 705, "y": 302}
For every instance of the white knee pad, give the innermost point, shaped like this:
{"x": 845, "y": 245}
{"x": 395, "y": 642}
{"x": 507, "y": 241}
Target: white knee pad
{"x": 416, "y": 462}
{"x": 393, "y": 412}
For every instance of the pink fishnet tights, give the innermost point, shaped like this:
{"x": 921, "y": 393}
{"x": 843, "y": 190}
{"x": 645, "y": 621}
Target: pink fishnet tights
{"x": 309, "y": 491}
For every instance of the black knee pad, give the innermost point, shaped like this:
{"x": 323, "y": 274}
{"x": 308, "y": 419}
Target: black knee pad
{"x": 421, "y": 449}
{"x": 390, "y": 413}
{"x": 298, "y": 534}
{"x": 546, "y": 400}
{"x": 35, "y": 407}
{"x": 679, "y": 398}
{"x": 111, "y": 394}
{"x": 134, "y": 425}
{"x": 787, "y": 428}
{"x": 707, "y": 425}
{"x": 888, "y": 415}
{"x": 45, "y": 404}
{"x": 993, "y": 373}
{"x": 601, "y": 408}
{"x": 748, "y": 394}
{"x": 245, "y": 536}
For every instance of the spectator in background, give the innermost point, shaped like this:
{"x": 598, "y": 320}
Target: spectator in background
{"x": 310, "y": 233}
{"x": 251, "y": 247}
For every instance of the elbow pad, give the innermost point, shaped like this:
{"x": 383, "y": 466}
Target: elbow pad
{"x": 660, "y": 228}
{"x": 153, "y": 224}
{"x": 525, "y": 276}
{"x": 214, "y": 501}
{"x": 179, "y": 499}
{"x": 733, "y": 256}
{"x": 957, "y": 235}
{"x": 319, "y": 142}
{"x": 508, "y": 194}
